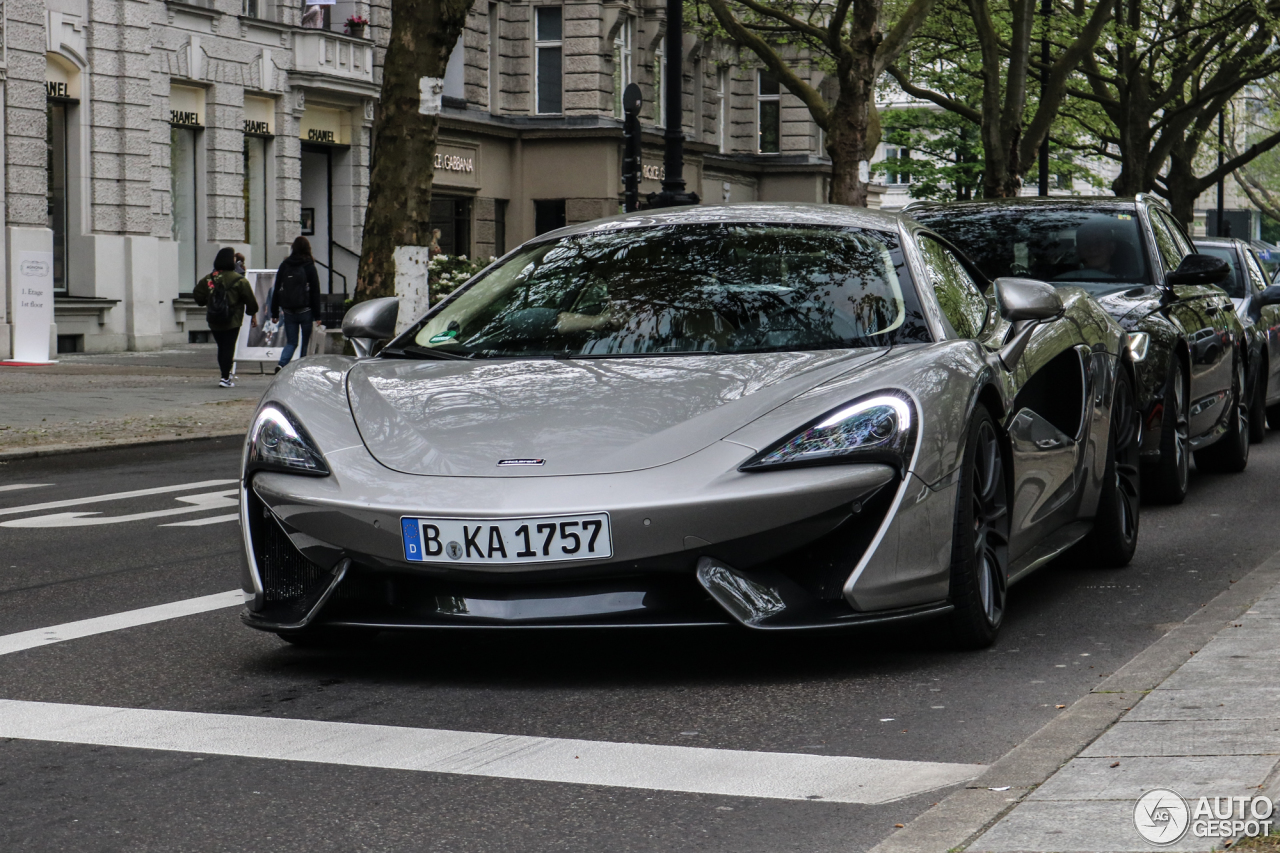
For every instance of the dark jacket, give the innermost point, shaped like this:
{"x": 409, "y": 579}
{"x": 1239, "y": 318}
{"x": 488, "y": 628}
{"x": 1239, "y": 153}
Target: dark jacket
{"x": 239, "y": 296}
{"x": 313, "y": 284}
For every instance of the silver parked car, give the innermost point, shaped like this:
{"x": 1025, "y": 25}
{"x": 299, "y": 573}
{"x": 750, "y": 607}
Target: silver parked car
{"x": 779, "y": 416}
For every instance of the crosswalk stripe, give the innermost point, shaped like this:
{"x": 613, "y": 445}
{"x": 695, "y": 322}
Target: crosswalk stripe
{"x": 116, "y": 496}
{"x": 697, "y": 770}
{"x": 201, "y": 522}
{"x": 10, "y": 643}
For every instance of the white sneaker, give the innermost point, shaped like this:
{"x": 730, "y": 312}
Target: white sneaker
{"x": 226, "y": 383}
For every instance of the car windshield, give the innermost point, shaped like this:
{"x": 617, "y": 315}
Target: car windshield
{"x": 1234, "y": 284}
{"x": 1099, "y": 250}
{"x": 692, "y": 289}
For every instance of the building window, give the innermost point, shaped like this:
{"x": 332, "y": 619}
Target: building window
{"x": 769, "y": 112}
{"x": 548, "y": 215}
{"x": 183, "y": 177}
{"x": 452, "y": 218}
{"x": 500, "y": 227}
{"x": 455, "y": 73}
{"x": 897, "y": 170}
{"x": 255, "y": 199}
{"x": 548, "y": 50}
{"x": 495, "y": 58}
{"x": 722, "y": 110}
{"x": 315, "y": 16}
{"x": 57, "y": 157}
{"x": 251, "y": 8}
{"x": 659, "y": 75}
{"x": 621, "y": 66}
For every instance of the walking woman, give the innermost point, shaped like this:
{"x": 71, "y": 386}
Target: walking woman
{"x": 228, "y": 298}
{"x": 297, "y": 296}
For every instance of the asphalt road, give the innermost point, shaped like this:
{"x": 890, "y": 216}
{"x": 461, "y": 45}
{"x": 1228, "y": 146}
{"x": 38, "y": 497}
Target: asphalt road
{"x": 895, "y": 694}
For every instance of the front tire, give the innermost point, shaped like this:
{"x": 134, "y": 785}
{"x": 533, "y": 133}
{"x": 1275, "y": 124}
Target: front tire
{"x": 1114, "y": 537}
{"x": 1258, "y": 407}
{"x": 1166, "y": 480}
{"x": 1230, "y": 454}
{"x": 980, "y": 539}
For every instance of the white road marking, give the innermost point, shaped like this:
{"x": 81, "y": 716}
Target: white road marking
{"x": 10, "y": 643}
{"x": 116, "y": 496}
{"x": 14, "y": 487}
{"x": 201, "y": 522}
{"x": 771, "y": 775}
{"x": 199, "y": 503}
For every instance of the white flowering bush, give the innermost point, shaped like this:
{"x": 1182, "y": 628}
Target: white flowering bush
{"x": 446, "y": 272}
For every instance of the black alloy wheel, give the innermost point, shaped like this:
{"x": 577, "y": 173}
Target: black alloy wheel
{"x": 1258, "y": 405}
{"x": 980, "y": 540}
{"x": 1166, "y": 480}
{"x": 1230, "y": 453}
{"x": 1114, "y": 537}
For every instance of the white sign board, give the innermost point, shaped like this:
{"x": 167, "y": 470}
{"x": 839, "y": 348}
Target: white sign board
{"x": 265, "y": 340}
{"x": 32, "y": 314}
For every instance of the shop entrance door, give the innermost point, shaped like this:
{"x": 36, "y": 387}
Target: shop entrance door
{"x": 317, "y": 203}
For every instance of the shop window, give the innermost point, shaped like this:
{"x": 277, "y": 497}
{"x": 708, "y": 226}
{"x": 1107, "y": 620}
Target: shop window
{"x": 56, "y": 130}
{"x": 500, "y": 227}
{"x": 452, "y": 218}
{"x": 255, "y": 198}
{"x": 621, "y": 66}
{"x": 769, "y": 112}
{"x": 548, "y": 49}
{"x": 548, "y": 215}
{"x": 183, "y": 175}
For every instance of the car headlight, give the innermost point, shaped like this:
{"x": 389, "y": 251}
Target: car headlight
{"x": 875, "y": 429}
{"x": 277, "y": 442}
{"x": 1139, "y": 343}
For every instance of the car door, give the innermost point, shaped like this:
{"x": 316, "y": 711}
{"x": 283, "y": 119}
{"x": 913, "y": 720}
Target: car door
{"x": 1052, "y": 382}
{"x": 1202, "y": 313}
{"x": 1266, "y": 320}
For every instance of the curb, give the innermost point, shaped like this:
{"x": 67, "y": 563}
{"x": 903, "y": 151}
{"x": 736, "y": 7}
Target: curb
{"x": 63, "y": 449}
{"x": 958, "y": 819}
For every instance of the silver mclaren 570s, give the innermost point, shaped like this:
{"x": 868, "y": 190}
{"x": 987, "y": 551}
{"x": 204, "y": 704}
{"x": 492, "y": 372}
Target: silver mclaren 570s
{"x": 769, "y": 415}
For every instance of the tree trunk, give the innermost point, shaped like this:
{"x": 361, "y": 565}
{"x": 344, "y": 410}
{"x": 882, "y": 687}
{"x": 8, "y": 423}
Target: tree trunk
{"x": 848, "y": 141}
{"x": 423, "y": 33}
{"x": 1183, "y": 190}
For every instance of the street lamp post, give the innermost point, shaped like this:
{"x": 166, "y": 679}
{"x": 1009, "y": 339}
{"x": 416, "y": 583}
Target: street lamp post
{"x": 673, "y": 190}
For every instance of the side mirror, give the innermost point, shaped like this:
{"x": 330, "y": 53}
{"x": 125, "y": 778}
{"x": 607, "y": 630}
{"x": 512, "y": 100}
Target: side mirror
{"x": 1027, "y": 299}
{"x": 369, "y": 322}
{"x": 1199, "y": 269}
{"x": 1026, "y": 303}
{"x": 1270, "y": 296}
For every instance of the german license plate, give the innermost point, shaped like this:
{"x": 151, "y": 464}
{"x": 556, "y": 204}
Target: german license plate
{"x": 548, "y": 539}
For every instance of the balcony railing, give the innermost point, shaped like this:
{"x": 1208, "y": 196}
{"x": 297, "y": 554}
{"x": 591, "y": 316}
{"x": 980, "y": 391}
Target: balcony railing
{"x": 333, "y": 54}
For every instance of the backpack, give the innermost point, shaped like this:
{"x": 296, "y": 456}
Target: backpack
{"x": 295, "y": 294}
{"x": 219, "y": 311}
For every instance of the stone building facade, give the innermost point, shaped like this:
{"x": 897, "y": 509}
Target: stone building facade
{"x": 142, "y": 135}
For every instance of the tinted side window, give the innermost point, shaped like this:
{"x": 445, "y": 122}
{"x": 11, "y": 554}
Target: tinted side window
{"x": 1257, "y": 278}
{"x": 961, "y": 300}
{"x": 1166, "y": 244}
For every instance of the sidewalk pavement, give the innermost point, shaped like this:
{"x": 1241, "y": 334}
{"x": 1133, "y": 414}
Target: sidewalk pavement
{"x": 105, "y": 399}
{"x": 1211, "y": 729}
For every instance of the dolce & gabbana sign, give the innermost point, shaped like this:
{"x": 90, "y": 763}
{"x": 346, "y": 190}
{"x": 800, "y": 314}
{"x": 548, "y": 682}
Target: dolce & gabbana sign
{"x": 455, "y": 165}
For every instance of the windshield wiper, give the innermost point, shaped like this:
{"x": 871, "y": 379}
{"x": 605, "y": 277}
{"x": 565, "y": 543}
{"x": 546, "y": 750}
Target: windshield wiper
{"x": 415, "y": 351}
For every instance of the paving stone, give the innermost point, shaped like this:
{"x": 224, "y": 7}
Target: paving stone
{"x": 1189, "y": 737}
{"x": 1098, "y": 826}
{"x": 1208, "y": 703}
{"x": 1201, "y": 776}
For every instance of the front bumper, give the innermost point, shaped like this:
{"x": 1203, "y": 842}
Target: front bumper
{"x": 328, "y": 550}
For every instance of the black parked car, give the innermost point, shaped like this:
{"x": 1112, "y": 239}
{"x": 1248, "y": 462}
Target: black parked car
{"x": 1138, "y": 263}
{"x": 1259, "y": 313}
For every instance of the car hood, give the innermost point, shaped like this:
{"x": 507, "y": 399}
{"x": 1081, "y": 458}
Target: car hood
{"x": 1130, "y": 306}
{"x": 580, "y": 416}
